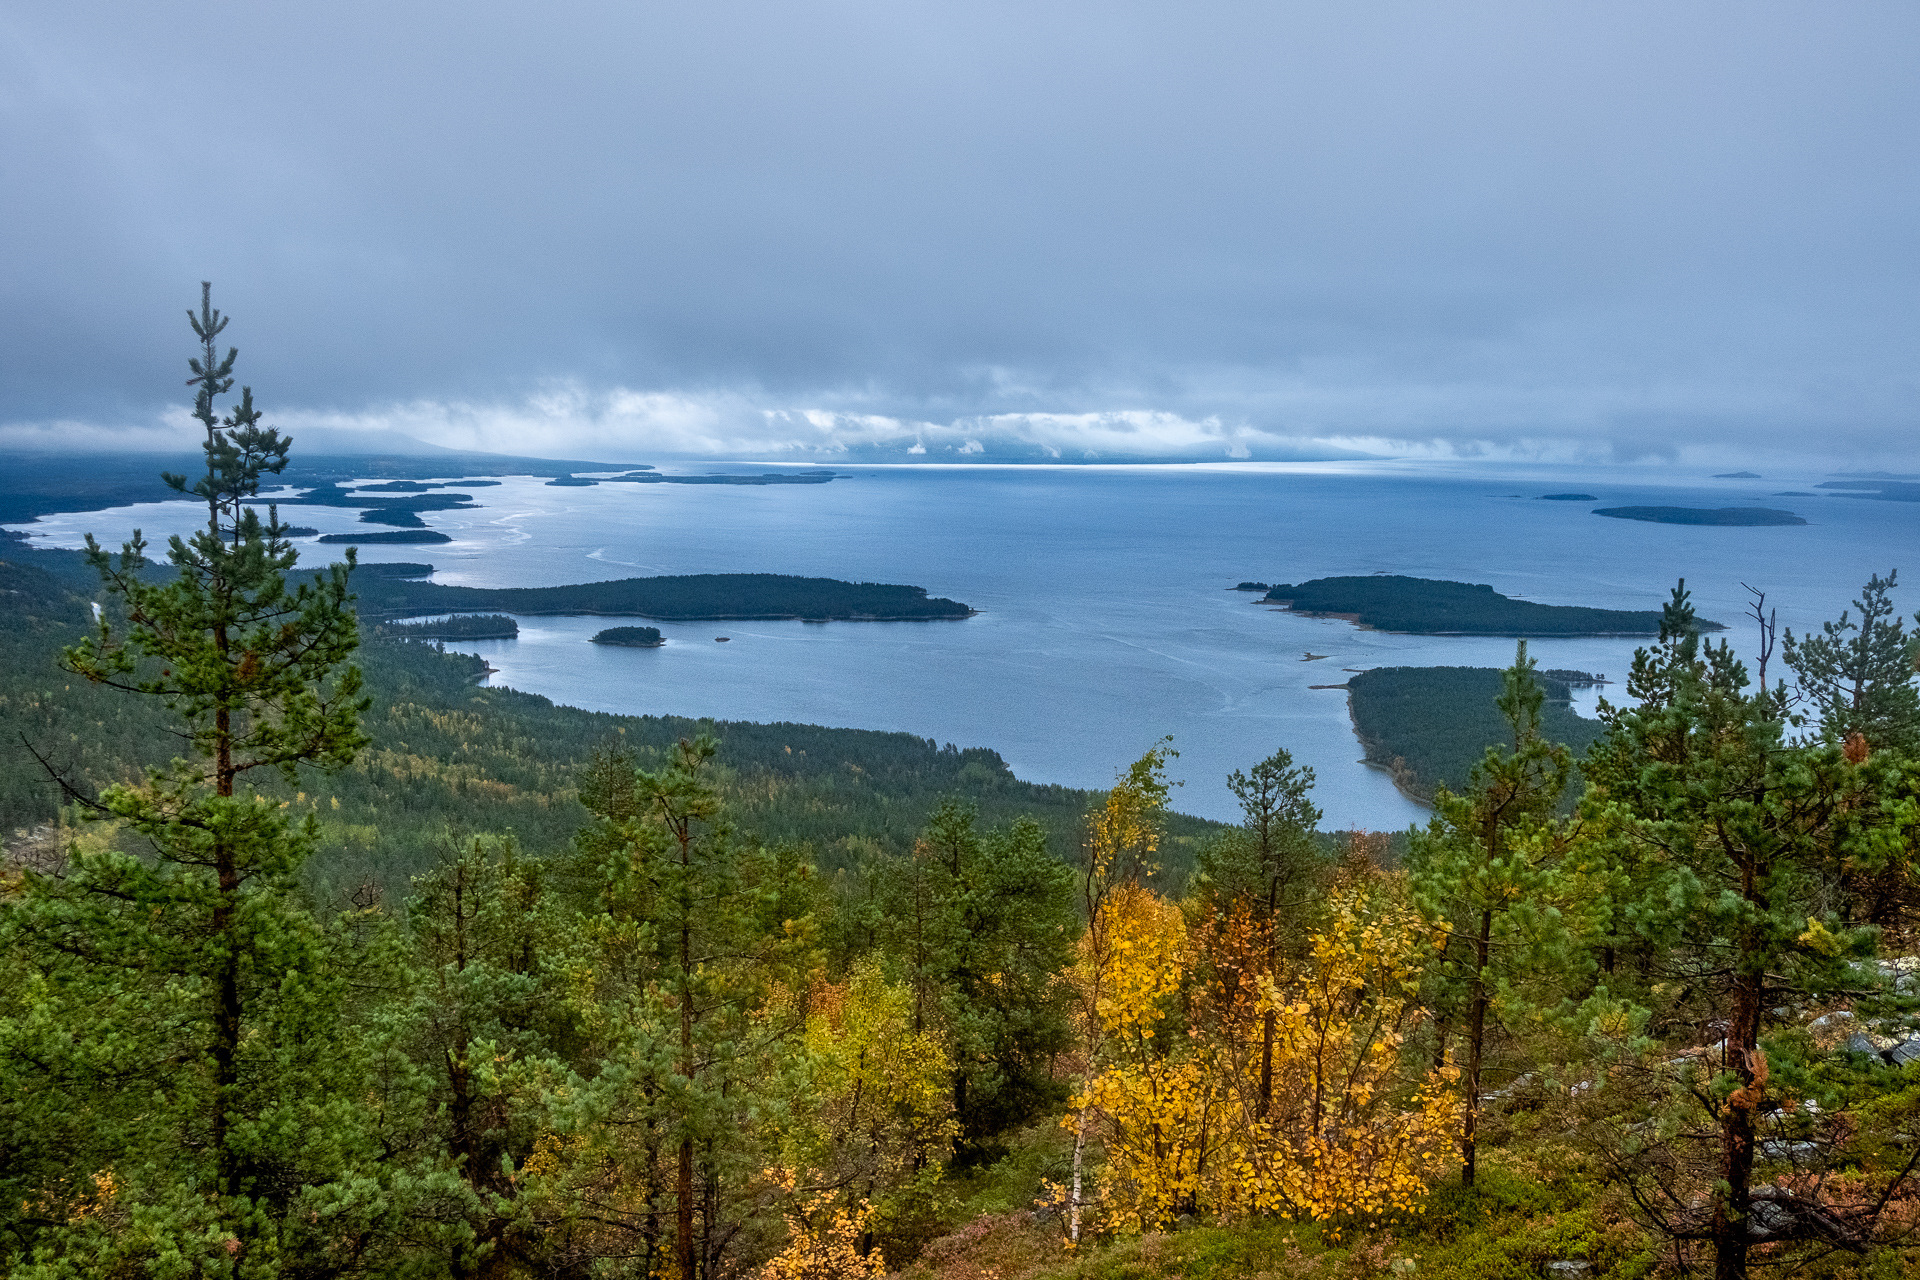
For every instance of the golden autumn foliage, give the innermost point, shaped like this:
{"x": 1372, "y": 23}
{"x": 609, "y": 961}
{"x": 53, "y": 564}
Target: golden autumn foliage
{"x": 1348, "y": 1134}
{"x": 1347, "y": 1137}
{"x": 823, "y": 1239}
{"x": 874, "y": 1094}
{"x": 1158, "y": 1096}
{"x": 1124, "y": 835}
{"x": 1122, "y": 839}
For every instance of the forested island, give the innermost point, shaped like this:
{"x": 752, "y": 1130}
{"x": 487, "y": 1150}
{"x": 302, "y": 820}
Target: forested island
{"x": 650, "y": 476}
{"x": 391, "y": 569}
{"x": 390, "y": 537}
{"x": 681, "y": 598}
{"x": 423, "y": 486}
{"x": 631, "y": 637}
{"x": 1428, "y": 607}
{"x": 460, "y": 626}
{"x": 1884, "y": 488}
{"x": 1429, "y": 726}
{"x": 1733, "y": 516}
{"x": 377, "y": 508}
{"x": 1567, "y": 497}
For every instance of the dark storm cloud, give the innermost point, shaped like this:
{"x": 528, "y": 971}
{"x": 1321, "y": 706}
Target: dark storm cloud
{"x": 1172, "y": 230}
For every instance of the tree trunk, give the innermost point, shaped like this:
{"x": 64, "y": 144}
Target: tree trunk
{"x": 1743, "y": 1058}
{"x": 1268, "y": 1025}
{"x": 683, "y": 1189}
{"x": 683, "y": 1184}
{"x": 1269, "y": 1022}
{"x": 226, "y": 1041}
{"x": 650, "y": 1228}
{"x": 1476, "y": 1041}
{"x": 1073, "y": 1197}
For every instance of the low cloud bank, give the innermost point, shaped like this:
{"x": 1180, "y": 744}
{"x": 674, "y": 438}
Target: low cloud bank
{"x": 567, "y": 420}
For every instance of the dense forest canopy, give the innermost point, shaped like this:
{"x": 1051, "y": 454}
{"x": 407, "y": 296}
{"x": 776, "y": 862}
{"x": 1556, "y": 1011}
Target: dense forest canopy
{"x": 1431, "y": 725}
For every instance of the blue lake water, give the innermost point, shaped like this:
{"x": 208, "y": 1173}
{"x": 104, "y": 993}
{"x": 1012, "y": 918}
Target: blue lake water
{"x": 1105, "y": 619}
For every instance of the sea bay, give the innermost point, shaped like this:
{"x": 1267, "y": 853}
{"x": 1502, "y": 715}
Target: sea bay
{"x": 1105, "y": 615}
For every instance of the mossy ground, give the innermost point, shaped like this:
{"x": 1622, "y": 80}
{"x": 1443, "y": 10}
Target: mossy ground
{"x": 1533, "y": 1205}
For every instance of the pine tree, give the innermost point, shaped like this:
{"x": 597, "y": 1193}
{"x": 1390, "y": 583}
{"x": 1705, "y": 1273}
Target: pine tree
{"x": 475, "y": 1072}
{"x": 1736, "y": 835}
{"x": 1507, "y": 887}
{"x": 1265, "y": 868}
{"x": 696, "y": 931}
{"x": 1860, "y": 676}
{"x": 202, "y": 998}
{"x": 983, "y": 922}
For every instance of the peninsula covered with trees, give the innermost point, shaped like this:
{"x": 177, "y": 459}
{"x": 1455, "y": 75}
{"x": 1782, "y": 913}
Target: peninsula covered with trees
{"x": 459, "y": 626}
{"x": 680, "y": 598}
{"x": 1430, "y": 726}
{"x": 1427, "y": 607}
{"x": 389, "y": 537}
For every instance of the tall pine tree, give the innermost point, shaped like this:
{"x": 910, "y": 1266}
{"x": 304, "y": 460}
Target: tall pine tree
{"x": 198, "y": 1000}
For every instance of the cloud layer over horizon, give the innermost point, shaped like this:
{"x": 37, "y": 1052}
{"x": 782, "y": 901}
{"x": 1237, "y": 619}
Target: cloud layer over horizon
{"x": 914, "y": 231}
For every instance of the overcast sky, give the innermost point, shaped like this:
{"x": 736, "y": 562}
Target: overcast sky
{"x": 852, "y": 229}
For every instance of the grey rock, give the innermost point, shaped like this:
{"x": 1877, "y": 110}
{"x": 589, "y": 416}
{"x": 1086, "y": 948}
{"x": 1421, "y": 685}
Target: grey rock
{"x": 1789, "y": 1152}
{"x": 1569, "y": 1269}
{"x": 1868, "y": 1043}
{"x": 1765, "y": 1219}
{"x": 1902, "y": 973}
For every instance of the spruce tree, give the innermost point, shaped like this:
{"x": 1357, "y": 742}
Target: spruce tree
{"x": 201, "y": 999}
